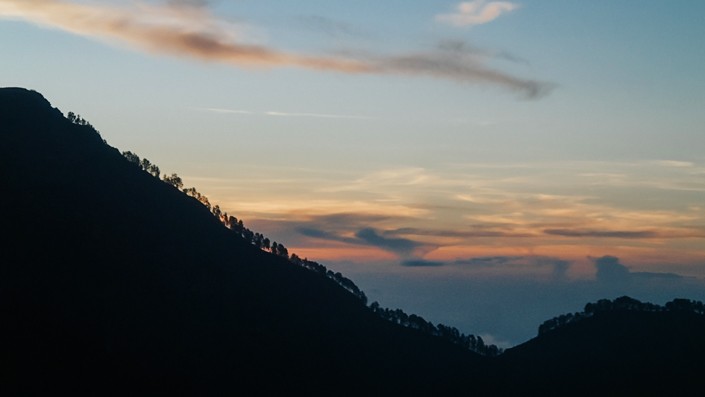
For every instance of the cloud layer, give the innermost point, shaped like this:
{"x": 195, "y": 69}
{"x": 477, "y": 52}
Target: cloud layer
{"x": 445, "y": 216}
{"x": 477, "y": 12}
{"x": 188, "y": 29}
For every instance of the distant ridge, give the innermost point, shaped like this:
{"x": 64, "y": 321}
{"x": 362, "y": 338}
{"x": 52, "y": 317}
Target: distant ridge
{"x": 622, "y": 347}
{"x": 113, "y": 281}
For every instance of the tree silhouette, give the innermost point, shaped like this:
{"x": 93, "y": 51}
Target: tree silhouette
{"x": 145, "y": 164}
{"x": 216, "y": 211}
{"x": 133, "y": 158}
{"x": 282, "y": 251}
{"x": 154, "y": 170}
{"x": 173, "y": 180}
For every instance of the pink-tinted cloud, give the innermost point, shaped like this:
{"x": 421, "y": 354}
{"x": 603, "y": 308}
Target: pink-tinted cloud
{"x": 171, "y": 30}
{"x": 188, "y": 29}
{"x": 477, "y": 12}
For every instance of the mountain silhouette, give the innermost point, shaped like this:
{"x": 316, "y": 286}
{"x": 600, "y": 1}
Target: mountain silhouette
{"x": 109, "y": 274}
{"x": 114, "y": 282}
{"x": 625, "y": 348}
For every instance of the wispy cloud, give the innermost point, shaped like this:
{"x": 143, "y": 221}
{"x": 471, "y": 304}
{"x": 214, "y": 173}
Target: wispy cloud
{"x": 477, "y": 12}
{"x": 172, "y": 29}
{"x": 188, "y": 29}
{"x": 462, "y": 64}
{"x": 423, "y": 217}
{"x": 673, "y": 163}
{"x": 557, "y": 268}
{"x": 453, "y": 233}
{"x": 327, "y": 116}
{"x": 641, "y": 234}
{"x": 227, "y": 111}
{"x": 602, "y": 233}
{"x": 285, "y": 114}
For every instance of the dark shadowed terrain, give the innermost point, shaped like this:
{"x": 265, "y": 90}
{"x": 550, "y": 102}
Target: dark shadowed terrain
{"x": 112, "y": 282}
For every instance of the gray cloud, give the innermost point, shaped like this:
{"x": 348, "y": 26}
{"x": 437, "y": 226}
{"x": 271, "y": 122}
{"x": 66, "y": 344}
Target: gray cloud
{"x": 421, "y": 263}
{"x": 609, "y": 270}
{"x": 651, "y": 276}
{"x": 462, "y": 67}
{"x": 399, "y": 246}
{"x": 487, "y": 261}
{"x": 560, "y": 267}
{"x": 368, "y": 237}
{"x": 317, "y": 233}
{"x": 469, "y": 49}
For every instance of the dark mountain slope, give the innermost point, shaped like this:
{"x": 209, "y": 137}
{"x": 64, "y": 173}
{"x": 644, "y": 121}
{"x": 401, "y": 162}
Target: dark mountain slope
{"x": 616, "y": 351}
{"x": 112, "y": 280}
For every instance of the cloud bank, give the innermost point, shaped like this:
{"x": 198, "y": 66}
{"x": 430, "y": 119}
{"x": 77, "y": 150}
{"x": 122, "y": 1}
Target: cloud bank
{"x": 188, "y": 29}
{"x": 477, "y": 12}
{"x": 611, "y": 271}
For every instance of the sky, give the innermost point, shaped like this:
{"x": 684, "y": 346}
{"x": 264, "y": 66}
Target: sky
{"x": 484, "y": 164}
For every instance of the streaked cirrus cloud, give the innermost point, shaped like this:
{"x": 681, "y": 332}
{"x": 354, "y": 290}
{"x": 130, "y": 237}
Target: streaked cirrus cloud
{"x": 181, "y": 29}
{"x": 477, "y": 12}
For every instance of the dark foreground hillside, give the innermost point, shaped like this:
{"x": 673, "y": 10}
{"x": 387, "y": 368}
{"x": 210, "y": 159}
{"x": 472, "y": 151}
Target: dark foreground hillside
{"x": 111, "y": 278}
{"x": 628, "y": 350}
{"x": 114, "y": 282}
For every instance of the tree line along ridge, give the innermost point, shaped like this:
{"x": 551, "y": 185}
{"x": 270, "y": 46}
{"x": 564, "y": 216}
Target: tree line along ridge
{"x": 622, "y": 304}
{"x": 397, "y": 316}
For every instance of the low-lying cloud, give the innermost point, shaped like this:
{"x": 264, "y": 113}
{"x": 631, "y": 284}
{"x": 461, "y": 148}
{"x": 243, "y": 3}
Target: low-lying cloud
{"x": 188, "y": 29}
{"x": 558, "y": 267}
{"x": 611, "y": 271}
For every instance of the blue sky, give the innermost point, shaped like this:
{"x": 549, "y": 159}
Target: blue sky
{"x": 528, "y": 137}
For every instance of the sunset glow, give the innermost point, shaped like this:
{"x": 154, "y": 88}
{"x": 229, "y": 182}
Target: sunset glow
{"x": 493, "y": 142}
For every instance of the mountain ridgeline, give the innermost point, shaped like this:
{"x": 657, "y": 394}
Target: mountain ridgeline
{"x": 115, "y": 279}
{"x": 258, "y": 240}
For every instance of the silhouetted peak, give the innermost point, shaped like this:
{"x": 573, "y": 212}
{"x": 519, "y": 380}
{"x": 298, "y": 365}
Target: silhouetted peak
{"x": 19, "y": 104}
